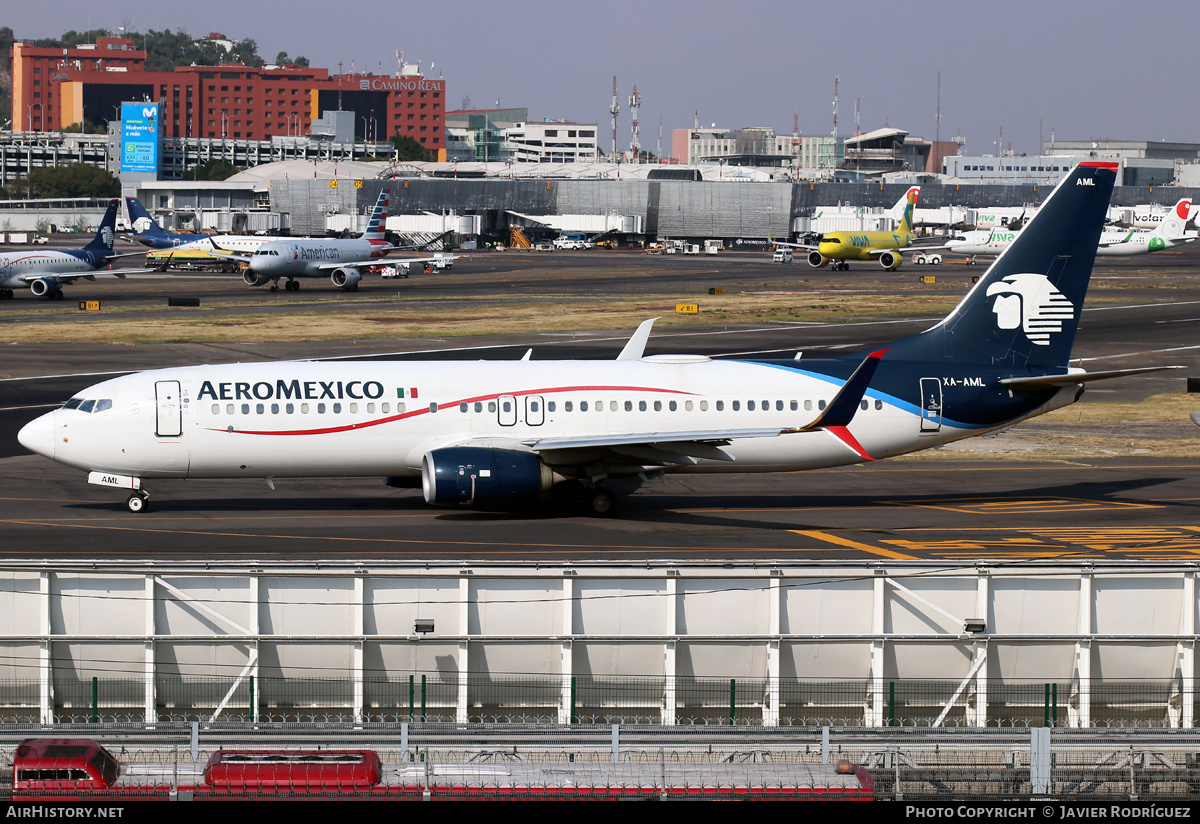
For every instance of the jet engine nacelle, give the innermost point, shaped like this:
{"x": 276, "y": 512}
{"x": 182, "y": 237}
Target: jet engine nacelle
{"x": 347, "y": 278}
{"x": 816, "y": 259}
{"x": 253, "y": 278}
{"x": 891, "y": 260}
{"x": 475, "y": 474}
{"x": 45, "y": 287}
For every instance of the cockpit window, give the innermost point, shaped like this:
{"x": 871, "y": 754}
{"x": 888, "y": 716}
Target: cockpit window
{"x": 73, "y": 403}
{"x": 86, "y": 406}
{"x": 103, "y": 405}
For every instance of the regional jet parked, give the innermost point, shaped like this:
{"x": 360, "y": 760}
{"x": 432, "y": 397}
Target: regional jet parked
{"x": 185, "y": 248}
{"x": 1169, "y": 233}
{"x": 496, "y": 433}
{"x": 46, "y": 272}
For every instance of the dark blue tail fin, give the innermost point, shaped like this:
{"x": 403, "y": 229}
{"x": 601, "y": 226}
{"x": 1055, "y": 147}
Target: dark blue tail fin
{"x": 144, "y": 226}
{"x": 1025, "y": 309}
{"x": 103, "y": 241}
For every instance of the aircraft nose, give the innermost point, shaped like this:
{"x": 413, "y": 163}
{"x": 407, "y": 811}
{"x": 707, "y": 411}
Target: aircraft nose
{"x": 38, "y": 435}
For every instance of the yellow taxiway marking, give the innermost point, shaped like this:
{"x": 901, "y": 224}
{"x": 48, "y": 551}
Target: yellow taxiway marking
{"x": 1018, "y": 506}
{"x": 524, "y": 546}
{"x": 846, "y": 542}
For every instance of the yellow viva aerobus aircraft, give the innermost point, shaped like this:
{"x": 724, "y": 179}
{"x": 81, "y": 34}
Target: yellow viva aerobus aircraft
{"x": 888, "y": 248}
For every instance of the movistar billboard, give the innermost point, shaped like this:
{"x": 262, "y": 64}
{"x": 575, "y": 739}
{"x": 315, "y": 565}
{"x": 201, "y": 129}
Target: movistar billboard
{"x": 140, "y": 135}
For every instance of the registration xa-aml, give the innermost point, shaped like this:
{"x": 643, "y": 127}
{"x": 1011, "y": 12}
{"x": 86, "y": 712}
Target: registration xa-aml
{"x": 499, "y": 433}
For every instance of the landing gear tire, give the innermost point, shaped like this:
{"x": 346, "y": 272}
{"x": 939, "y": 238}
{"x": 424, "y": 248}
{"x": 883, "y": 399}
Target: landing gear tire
{"x": 138, "y": 503}
{"x": 275, "y": 286}
{"x": 293, "y": 286}
{"x": 600, "y": 502}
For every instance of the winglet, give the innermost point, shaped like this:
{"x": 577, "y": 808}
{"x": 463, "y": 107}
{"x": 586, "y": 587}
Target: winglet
{"x": 228, "y": 253}
{"x": 841, "y": 409}
{"x": 636, "y": 347}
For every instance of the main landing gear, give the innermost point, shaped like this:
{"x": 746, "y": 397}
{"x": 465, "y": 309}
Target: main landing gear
{"x": 598, "y": 501}
{"x": 138, "y": 502}
{"x": 292, "y": 285}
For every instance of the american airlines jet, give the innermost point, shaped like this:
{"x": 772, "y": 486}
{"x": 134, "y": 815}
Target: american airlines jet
{"x": 502, "y": 433}
{"x": 340, "y": 260}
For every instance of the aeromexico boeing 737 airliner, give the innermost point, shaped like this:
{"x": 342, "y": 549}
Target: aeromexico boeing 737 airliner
{"x": 499, "y": 433}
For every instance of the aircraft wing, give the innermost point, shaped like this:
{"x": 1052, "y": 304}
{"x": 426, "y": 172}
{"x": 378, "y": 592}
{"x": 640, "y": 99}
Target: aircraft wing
{"x": 324, "y": 267}
{"x": 685, "y": 447}
{"x": 228, "y": 253}
{"x": 385, "y": 261}
{"x": 71, "y": 277}
{"x": 903, "y": 249}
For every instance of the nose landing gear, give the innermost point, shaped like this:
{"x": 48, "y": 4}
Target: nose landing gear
{"x": 138, "y": 502}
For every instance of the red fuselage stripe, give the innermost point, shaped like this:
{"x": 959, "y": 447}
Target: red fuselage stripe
{"x": 426, "y": 410}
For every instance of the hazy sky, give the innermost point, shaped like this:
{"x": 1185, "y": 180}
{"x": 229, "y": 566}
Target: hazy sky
{"x": 1083, "y": 69}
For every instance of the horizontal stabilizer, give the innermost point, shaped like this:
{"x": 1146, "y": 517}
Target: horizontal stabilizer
{"x": 1045, "y": 381}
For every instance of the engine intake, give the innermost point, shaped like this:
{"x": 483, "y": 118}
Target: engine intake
{"x": 891, "y": 260}
{"x": 346, "y": 278}
{"x": 474, "y": 475}
{"x": 44, "y": 286}
{"x": 816, "y": 259}
{"x": 253, "y": 278}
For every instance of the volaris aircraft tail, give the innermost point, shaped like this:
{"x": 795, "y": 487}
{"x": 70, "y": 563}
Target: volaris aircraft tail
{"x": 902, "y": 212}
{"x": 1174, "y": 224}
{"x": 1025, "y": 309}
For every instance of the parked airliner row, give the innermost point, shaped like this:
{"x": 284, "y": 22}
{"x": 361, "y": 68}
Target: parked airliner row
{"x": 1169, "y": 233}
{"x": 501, "y": 433}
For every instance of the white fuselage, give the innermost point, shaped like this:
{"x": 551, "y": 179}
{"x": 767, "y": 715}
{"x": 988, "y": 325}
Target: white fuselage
{"x": 1112, "y": 244}
{"x": 242, "y": 244}
{"x": 1119, "y": 244}
{"x": 13, "y": 265}
{"x": 310, "y": 257}
{"x": 305, "y": 419}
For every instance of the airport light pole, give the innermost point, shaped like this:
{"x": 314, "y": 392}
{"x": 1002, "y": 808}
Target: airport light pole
{"x": 289, "y": 122}
{"x": 224, "y": 121}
